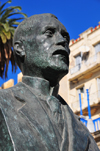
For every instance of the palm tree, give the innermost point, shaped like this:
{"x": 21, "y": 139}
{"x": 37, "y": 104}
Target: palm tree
{"x": 7, "y": 27}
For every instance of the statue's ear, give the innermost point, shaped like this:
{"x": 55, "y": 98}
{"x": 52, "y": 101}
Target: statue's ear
{"x": 19, "y": 50}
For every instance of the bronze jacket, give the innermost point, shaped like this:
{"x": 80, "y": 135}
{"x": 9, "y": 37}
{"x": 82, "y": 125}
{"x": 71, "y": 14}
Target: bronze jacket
{"x": 22, "y": 128}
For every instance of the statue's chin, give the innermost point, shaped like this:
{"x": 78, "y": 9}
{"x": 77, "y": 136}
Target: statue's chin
{"x": 54, "y": 76}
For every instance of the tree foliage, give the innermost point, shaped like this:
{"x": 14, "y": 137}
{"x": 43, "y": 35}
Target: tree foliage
{"x": 8, "y": 23}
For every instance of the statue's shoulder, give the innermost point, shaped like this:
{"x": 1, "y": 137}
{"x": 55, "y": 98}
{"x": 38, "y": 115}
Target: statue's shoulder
{"x": 4, "y": 92}
{"x": 7, "y": 94}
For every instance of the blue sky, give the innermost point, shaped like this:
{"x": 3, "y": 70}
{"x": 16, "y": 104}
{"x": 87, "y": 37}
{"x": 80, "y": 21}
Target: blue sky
{"x": 76, "y": 15}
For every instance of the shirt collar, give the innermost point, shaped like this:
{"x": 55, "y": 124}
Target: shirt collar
{"x": 39, "y": 86}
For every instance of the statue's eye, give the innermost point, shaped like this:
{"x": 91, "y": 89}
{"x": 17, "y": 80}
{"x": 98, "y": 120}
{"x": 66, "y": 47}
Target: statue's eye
{"x": 66, "y": 38}
{"x": 49, "y": 32}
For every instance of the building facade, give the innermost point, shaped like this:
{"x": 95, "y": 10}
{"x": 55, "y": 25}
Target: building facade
{"x": 83, "y": 80}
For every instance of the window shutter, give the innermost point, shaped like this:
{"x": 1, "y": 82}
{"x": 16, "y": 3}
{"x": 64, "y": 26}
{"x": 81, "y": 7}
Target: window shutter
{"x": 97, "y": 48}
{"x": 78, "y": 60}
{"x": 78, "y": 91}
{"x": 81, "y": 91}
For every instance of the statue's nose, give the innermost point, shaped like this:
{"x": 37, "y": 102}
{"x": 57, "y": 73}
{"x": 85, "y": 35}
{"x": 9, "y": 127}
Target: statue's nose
{"x": 60, "y": 40}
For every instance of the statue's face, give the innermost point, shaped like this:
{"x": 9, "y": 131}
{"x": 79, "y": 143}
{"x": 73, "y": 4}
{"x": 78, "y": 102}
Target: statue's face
{"x": 48, "y": 49}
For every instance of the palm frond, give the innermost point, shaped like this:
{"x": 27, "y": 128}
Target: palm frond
{"x": 12, "y": 31}
{"x": 12, "y": 21}
{"x": 3, "y": 38}
{"x": 6, "y": 13}
{"x": 16, "y": 7}
{"x": 12, "y": 8}
{"x": 16, "y": 23}
{"x": 7, "y": 34}
{"x": 7, "y": 28}
{"x": 2, "y": 6}
{"x": 17, "y": 14}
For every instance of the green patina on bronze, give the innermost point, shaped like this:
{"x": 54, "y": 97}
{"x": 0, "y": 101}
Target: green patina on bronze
{"x": 44, "y": 42}
{"x": 5, "y": 139}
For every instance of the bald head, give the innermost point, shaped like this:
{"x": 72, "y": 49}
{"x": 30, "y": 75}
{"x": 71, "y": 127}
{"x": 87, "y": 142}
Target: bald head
{"x": 25, "y": 29}
{"x": 32, "y": 23}
{"x": 41, "y": 47}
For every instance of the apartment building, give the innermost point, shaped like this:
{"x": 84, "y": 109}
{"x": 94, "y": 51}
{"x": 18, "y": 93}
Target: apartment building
{"x": 83, "y": 80}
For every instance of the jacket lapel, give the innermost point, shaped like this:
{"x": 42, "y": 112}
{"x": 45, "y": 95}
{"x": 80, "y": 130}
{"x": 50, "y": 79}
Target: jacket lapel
{"x": 78, "y": 134}
{"x": 6, "y": 142}
{"x": 37, "y": 116}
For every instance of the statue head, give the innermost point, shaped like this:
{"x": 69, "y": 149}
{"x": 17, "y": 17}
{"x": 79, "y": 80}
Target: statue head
{"x": 41, "y": 47}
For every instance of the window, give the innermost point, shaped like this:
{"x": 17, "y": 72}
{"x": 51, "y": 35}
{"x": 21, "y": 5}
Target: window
{"x": 98, "y": 85}
{"x": 85, "y": 56}
{"x": 81, "y": 91}
{"x": 97, "y": 48}
{"x": 78, "y": 60}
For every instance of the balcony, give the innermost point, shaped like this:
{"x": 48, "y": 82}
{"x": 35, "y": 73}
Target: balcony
{"x": 94, "y": 99}
{"x": 96, "y": 123}
{"x": 86, "y": 67}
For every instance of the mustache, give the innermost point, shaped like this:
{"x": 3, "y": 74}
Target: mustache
{"x": 62, "y": 51}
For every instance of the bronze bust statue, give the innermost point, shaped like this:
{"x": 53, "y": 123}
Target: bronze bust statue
{"x": 33, "y": 117}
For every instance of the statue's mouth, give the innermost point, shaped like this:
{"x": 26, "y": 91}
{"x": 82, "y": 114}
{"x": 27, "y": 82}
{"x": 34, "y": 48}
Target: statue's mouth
{"x": 64, "y": 54}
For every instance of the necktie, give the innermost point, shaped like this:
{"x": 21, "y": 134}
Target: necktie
{"x": 55, "y": 107}
{"x": 54, "y": 104}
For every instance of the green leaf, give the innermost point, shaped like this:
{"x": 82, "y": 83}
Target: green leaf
{"x": 6, "y": 26}
{"x": 5, "y": 15}
{"x": 8, "y": 14}
{"x": 12, "y": 31}
{"x": 1, "y": 24}
{"x": 3, "y": 38}
{"x": 1, "y": 12}
{"x": 16, "y": 23}
{"x": 9, "y": 1}
{"x": 1, "y": 27}
{"x": 1, "y": 7}
{"x": 12, "y": 28}
{"x": 8, "y": 35}
{"x": 18, "y": 13}
{"x": 5, "y": 32}
{"x": 12, "y": 21}
{"x": 16, "y": 7}
{"x": 10, "y": 9}
{"x": 5, "y": 11}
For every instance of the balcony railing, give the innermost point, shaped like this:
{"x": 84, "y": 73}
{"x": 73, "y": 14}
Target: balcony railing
{"x": 84, "y": 121}
{"x": 93, "y": 99}
{"x": 75, "y": 69}
{"x": 96, "y": 123}
{"x": 88, "y": 62}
